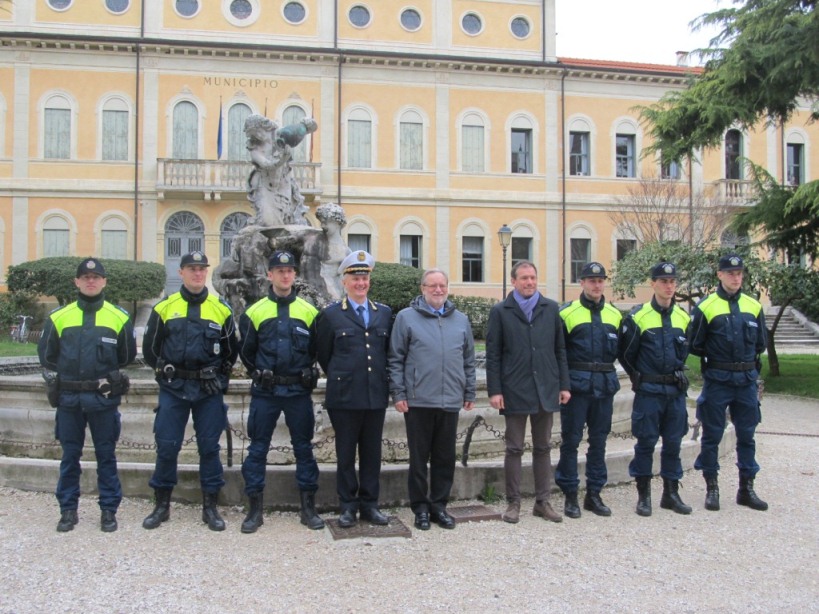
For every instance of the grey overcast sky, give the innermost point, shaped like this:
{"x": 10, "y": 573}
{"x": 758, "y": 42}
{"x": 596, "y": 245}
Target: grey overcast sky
{"x": 649, "y": 31}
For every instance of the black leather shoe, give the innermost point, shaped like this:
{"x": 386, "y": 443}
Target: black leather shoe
{"x": 374, "y": 516}
{"x": 444, "y": 520}
{"x": 347, "y": 519}
{"x": 422, "y": 521}
{"x": 69, "y": 518}
{"x": 108, "y": 521}
{"x": 594, "y": 504}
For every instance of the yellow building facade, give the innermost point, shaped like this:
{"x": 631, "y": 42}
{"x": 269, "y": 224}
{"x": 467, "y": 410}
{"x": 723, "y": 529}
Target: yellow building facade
{"x": 439, "y": 121}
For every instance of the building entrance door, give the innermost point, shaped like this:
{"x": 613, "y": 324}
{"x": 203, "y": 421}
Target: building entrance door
{"x": 184, "y": 233}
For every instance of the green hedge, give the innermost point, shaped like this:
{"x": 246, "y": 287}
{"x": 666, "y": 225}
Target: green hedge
{"x": 477, "y": 310}
{"x": 127, "y": 280}
{"x": 395, "y": 284}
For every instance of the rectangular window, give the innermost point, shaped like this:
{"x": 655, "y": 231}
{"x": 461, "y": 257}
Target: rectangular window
{"x": 625, "y": 155}
{"x": 579, "y": 163}
{"x": 358, "y": 242}
{"x": 57, "y": 134}
{"x": 412, "y": 144}
{"x": 473, "y": 259}
{"x": 795, "y": 175}
{"x": 624, "y": 246}
{"x": 581, "y": 254}
{"x": 411, "y": 250}
{"x": 55, "y": 243}
{"x": 359, "y": 143}
{"x": 521, "y": 249}
{"x": 114, "y": 244}
{"x": 521, "y": 151}
{"x": 670, "y": 170}
{"x": 115, "y": 135}
{"x": 472, "y": 158}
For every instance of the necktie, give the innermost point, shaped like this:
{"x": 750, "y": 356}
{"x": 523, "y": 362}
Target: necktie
{"x": 360, "y": 311}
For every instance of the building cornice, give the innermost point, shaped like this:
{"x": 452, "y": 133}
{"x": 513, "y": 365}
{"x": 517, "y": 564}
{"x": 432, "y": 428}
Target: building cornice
{"x": 577, "y": 69}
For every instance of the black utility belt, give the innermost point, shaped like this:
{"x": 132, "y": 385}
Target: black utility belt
{"x": 82, "y": 386}
{"x": 173, "y": 372}
{"x": 267, "y": 379}
{"x": 731, "y": 366}
{"x": 668, "y": 378}
{"x": 597, "y": 367}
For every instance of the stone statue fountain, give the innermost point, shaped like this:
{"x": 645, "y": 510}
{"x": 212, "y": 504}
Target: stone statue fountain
{"x": 280, "y": 223}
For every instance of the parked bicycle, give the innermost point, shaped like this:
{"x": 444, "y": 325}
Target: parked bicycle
{"x": 20, "y": 331}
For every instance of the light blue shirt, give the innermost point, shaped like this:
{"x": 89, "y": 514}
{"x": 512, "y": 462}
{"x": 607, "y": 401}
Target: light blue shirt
{"x": 365, "y": 314}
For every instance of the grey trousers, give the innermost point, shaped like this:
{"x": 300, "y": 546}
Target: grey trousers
{"x": 541, "y": 450}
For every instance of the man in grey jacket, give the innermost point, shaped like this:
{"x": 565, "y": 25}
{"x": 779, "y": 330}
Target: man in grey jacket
{"x": 527, "y": 377}
{"x": 432, "y": 375}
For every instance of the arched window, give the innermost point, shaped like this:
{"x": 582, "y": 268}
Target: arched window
{"x": 733, "y": 152}
{"x": 472, "y": 254}
{"x": 185, "y": 131}
{"x": 293, "y": 115}
{"x": 520, "y": 141}
{"x": 580, "y": 148}
{"x": 114, "y": 239}
{"x": 472, "y": 144}
{"x": 56, "y": 240}
{"x": 411, "y": 137}
{"x": 411, "y": 245}
{"x": 115, "y": 130}
{"x": 359, "y": 236}
{"x": 236, "y": 138}
{"x": 359, "y": 139}
{"x": 625, "y": 150}
{"x": 231, "y": 226}
{"x": 521, "y": 247}
{"x": 580, "y": 251}
{"x": 57, "y": 128}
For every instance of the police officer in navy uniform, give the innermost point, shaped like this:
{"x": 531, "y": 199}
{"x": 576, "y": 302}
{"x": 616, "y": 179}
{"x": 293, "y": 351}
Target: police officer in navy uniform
{"x": 653, "y": 349}
{"x": 353, "y": 338}
{"x": 190, "y": 342}
{"x": 277, "y": 348}
{"x": 591, "y": 326}
{"x": 728, "y": 332}
{"x": 86, "y": 343}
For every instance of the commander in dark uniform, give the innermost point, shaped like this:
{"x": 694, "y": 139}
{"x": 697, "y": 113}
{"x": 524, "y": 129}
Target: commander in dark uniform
{"x": 86, "y": 342}
{"x": 352, "y": 340}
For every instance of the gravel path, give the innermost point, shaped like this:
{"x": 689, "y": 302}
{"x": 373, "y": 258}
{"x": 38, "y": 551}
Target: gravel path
{"x": 735, "y": 560}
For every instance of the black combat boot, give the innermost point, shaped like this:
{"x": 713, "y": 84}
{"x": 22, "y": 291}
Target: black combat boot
{"x": 68, "y": 518}
{"x": 746, "y": 495}
{"x": 644, "y": 495}
{"x": 570, "y": 505}
{"x": 593, "y": 503}
{"x": 162, "y": 509}
{"x": 255, "y": 514}
{"x": 108, "y": 521}
{"x": 712, "y": 493}
{"x": 210, "y": 515}
{"x": 671, "y": 497}
{"x": 309, "y": 517}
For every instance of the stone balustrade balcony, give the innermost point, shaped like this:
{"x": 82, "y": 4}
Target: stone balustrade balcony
{"x": 223, "y": 179}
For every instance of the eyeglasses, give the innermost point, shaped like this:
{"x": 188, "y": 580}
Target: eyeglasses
{"x": 436, "y": 286}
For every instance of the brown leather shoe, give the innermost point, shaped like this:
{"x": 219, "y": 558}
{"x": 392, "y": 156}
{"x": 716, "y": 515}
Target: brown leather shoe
{"x": 512, "y": 513}
{"x": 544, "y": 510}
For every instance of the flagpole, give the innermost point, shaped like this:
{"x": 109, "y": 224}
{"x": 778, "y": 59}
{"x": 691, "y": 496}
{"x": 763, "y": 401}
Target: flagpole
{"x": 219, "y": 133}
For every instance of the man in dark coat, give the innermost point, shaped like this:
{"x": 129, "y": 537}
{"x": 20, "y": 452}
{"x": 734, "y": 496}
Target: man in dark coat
{"x": 527, "y": 377}
{"x": 353, "y": 337}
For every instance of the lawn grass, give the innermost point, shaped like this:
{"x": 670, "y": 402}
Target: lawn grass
{"x": 9, "y": 348}
{"x": 797, "y": 375}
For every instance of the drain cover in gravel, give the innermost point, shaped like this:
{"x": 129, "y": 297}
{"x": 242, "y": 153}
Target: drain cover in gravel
{"x": 473, "y": 513}
{"x": 363, "y": 529}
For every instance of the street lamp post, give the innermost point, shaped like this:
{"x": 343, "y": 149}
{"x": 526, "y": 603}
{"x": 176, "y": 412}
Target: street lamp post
{"x": 505, "y": 238}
